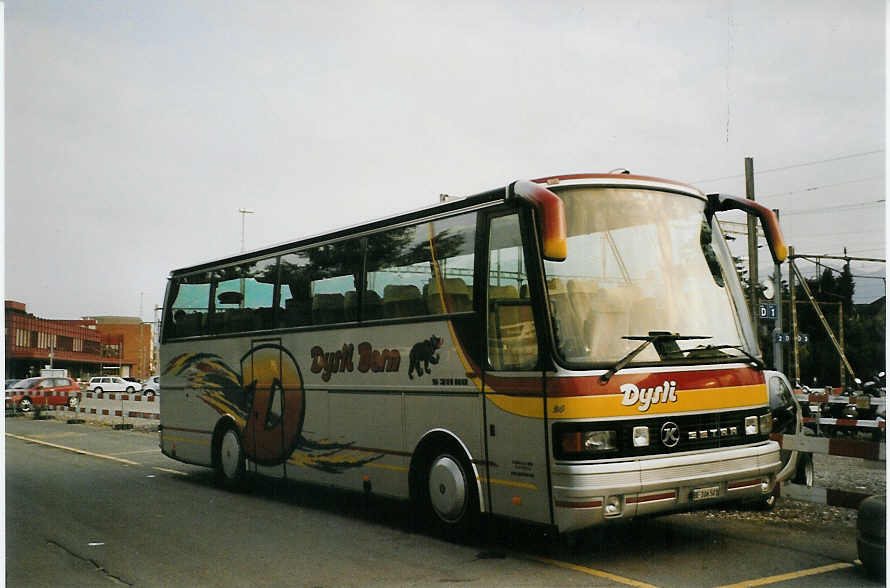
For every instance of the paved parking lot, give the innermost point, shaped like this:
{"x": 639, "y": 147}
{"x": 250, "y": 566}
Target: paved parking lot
{"x": 95, "y": 506}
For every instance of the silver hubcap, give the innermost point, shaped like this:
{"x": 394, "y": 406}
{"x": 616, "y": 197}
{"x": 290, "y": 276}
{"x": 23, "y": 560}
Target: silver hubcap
{"x": 72, "y": 401}
{"x": 808, "y": 474}
{"x": 448, "y": 488}
{"x": 25, "y": 405}
{"x": 230, "y": 454}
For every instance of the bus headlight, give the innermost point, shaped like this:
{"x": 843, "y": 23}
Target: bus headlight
{"x": 591, "y": 442}
{"x": 641, "y": 436}
{"x": 751, "y": 425}
{"x": 766, "y": 424}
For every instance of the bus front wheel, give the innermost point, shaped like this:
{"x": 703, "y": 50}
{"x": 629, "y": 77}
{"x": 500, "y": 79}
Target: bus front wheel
{"x": 229, "y": 459}
{"x": 450, "y": 494}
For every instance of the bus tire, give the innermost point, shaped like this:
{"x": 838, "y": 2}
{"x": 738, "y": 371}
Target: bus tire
{"x": 449, "y": 493}
{"x": 871, "y": 539}
{"x": 228, "y": 459}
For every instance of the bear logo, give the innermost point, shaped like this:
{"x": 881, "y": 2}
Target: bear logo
{"x": 424, "y": 352}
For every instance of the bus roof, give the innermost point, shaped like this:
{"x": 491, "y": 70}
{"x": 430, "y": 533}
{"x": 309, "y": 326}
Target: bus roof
{"x": 612, "y": 179}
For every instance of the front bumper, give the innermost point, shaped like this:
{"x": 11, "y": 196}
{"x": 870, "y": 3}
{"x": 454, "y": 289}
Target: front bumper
{"x": 593, "y": 493}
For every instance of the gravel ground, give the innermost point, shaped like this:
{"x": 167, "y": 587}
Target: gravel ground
{"x": 839, "y": 473}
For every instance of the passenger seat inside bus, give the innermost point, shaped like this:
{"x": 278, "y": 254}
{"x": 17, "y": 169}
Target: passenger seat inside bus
{"x": 579, "y": 322}
{"x": 402, "y": 300}
{"x": 372, "y": 306}
{"x": 297, "y": 312}
{"x": 327, "y": 309}
{"x": 457, "y": 296}
{"x": 189, "y": 324}
{"x": 512, "y": 341}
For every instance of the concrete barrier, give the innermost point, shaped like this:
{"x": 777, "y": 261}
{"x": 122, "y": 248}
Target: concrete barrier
{"x": 126, "y": 410}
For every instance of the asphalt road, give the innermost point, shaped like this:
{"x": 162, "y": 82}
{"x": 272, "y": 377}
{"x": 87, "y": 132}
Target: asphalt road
{"x": 89, "y": 506}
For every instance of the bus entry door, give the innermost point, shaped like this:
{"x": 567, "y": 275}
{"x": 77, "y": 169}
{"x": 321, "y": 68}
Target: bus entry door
{"x": 515, "y": 423}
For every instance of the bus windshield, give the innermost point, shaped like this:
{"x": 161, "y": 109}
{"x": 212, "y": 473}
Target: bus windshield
{"x": 642, "y": 262}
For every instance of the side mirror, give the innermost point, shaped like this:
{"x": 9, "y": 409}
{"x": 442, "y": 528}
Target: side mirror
{"x": 768, "y": 220}
{"x": 554, "y": 245}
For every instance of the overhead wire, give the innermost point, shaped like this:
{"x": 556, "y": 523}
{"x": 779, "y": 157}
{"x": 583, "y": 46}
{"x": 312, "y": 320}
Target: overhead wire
{"x": 814, "y": 188}
{"x": 852, "y": 206}
{"x": 794, "y": 166}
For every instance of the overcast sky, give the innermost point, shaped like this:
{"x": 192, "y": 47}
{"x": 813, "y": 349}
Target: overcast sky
{"x": 136, "y": 130}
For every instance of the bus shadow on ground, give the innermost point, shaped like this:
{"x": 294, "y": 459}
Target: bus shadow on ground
{"x": 496, "y": 535}
{"x": 662, "y": 540}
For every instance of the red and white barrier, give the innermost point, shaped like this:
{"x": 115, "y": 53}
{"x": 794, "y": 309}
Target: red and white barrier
{"x": 873, "y": 424}
{"x": 841, "y": 447}
{"x": 116, "y": 408}
{"x": 827, "y": 396}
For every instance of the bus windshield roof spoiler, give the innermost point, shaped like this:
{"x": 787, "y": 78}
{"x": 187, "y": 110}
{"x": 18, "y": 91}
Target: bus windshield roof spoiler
{"x": 550, "y": 210}
{"x": 768, "y": 220}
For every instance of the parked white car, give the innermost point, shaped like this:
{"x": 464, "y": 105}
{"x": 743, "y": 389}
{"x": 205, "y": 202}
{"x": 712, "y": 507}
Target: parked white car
{"x": 152, "y": 386}
{"x": 101, "y": 384}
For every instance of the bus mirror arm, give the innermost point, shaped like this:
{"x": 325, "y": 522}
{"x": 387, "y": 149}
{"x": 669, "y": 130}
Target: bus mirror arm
{"x": 551, "y": 212}
{"x": 768, "y": 220}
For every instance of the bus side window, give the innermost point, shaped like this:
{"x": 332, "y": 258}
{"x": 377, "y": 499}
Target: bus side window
{"x": 187, "y": 312}
{"x": 422, "y": 269}
{"x": 295, "y": 299}
{"x": 451, "y": 286}
{"x": 334, "y": 275}
{"x": 244, "y": 296}
{"x": 512, "y": 339}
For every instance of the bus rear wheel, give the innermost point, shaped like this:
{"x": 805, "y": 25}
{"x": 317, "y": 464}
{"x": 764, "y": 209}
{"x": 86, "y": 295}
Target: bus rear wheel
{"x": 450, "y": 494}
{"x": 229, "y": 460}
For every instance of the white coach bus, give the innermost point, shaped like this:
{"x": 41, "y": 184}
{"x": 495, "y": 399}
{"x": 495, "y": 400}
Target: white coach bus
{"x": 565, "y": 351}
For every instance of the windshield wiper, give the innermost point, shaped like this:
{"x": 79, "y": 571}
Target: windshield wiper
{"x": 657, "y": 338}
{"x": 752, "y": 358}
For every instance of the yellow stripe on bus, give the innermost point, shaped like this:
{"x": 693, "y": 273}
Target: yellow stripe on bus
{"x": 186, "y": 440}
{"x": 511, "y": 483}
{"x": 388, "y": 467}
{"x": 575, "y": 407}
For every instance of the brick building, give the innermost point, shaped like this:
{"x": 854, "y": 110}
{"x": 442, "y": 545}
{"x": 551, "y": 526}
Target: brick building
{"x": 129, "y": 339}
{"x": 86, "y": 347}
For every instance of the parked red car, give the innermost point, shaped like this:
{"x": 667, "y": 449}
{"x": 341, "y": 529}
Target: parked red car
{"x": 48, "y": 391}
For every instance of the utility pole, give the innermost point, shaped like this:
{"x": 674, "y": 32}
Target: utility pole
{"x": 753, "y": 282}
{"x": 840, "y": 320}
{"x": 778, "y": 354}
{"x": 244, "y": 212}
{"x": 141, "y": 364}
{"x": 793, "y": 316}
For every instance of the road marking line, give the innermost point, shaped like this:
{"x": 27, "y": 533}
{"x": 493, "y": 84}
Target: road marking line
{"x": 171, "y": 471}
{"x": 593, "y": 572}
{"x": 74, "y": 450}
{"x": 60, "y": 435}
{"x": 135, "y": 452}
{"x": 791, "y": 575}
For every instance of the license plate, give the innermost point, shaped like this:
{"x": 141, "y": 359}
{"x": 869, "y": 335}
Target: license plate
{"x": 863, "y": 402}
{"x": 703, "y": 493}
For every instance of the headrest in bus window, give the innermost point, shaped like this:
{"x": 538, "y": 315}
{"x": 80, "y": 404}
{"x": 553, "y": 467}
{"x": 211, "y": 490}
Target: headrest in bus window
{"x": 230, "y": 297}
{"x": 327, "y": 301}
{"x": 583, "y": 286}
{"x": 556, "y": 286}
{"x": 395, "y": 293}
{"x": 502, "y": 292}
